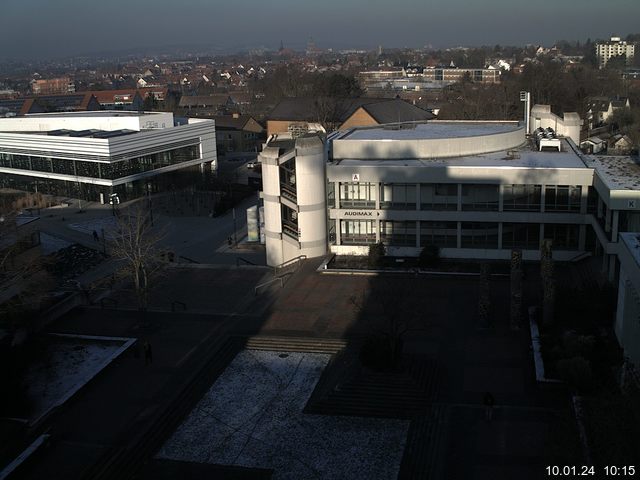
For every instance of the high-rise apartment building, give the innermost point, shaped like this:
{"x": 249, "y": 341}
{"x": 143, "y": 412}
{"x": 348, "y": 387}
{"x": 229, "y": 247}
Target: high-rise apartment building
{"x": 613, "y": 48}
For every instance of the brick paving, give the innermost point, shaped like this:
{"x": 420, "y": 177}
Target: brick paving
{"x": 470, "y": 360}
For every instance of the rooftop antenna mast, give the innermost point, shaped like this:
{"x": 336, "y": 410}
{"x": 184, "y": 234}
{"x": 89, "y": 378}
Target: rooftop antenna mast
{"x": 526, "y": 98}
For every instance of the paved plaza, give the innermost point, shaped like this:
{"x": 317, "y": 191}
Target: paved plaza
{"x": 135, "y": 408}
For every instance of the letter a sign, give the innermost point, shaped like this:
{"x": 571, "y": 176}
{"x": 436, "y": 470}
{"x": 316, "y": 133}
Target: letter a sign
{"x": 355, "y": 177}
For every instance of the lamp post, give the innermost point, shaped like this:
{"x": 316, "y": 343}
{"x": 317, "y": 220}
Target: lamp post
{"x": 526, "y": 98}
{"x": 150, "y": 205}
{"x": 235, "y": 237}
{"x": 113, "y": 201}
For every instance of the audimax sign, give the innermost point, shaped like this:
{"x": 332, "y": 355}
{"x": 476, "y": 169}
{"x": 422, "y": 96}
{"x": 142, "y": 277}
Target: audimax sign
{"x": 360, "y": 214}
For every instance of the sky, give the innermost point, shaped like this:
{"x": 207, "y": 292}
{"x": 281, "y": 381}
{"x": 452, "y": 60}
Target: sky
{"x": 57, "y": 28}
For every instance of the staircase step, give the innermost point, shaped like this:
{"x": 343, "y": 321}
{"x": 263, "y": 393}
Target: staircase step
{"x": 423, "y": 457}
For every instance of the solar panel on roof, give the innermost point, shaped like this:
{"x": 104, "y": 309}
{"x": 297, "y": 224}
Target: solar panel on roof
{"x": 83, "y": 133}
{"x": 62, "y": 132}
{"x": 113, "y": 133}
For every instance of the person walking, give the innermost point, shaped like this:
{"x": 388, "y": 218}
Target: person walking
{"x": 96, "y": 238}
{"x": 488, "y": 402}
{"x": 148, "y": 354}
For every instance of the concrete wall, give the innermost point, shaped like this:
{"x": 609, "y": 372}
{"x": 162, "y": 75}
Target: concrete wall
{"x": 310, "y": 179}
{"x": 82, "y": 121}
{"x": 568, "y": 126}
{"x": 278, "y": 126}
{"x": 359, "y": 118}
{"x": 427, "y": 148}
{"x": 627, "y": 326}
{"x": 272, "y": 209}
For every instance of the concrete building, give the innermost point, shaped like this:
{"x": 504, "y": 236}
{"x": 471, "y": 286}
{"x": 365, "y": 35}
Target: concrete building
{"x": 627, "y": 327}
{"x": 91, "y": 155}
{"x": 476, "y": 190}
{"x": 52, "y": 86}
{"x": 613, "y": 48}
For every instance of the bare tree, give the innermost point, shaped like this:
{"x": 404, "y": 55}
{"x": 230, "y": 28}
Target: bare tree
{"x": 137, "y": 244}
{"x": 391, "y": 313}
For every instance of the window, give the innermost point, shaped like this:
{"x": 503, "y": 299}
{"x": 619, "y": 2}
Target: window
{"x": 289, "y": 222}
{"x": 357, "y": 195}
{"x": 480, "y": 197}
{"x": 288, "y": 179}
{"x": 439, "y": 196}
{"x": 398, "y": 233}
{"x": 63, "y": 166}
{"x": 398, "y": 196}
{"x": 440, "y": 234}
{"x": 521, "y": 235}
{"x": 562, "y": 236}
{"x": 331, "y": 194}
{"x": 562, "y": 198}
{"x": 357, "y": 232}
{"x": 522, "y": 198}
{"x": 479, "y": 235}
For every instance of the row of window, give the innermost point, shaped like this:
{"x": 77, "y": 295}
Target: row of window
{"x": 107, "y": 171}
{"x": 445, "y": 234}
{"x": 444, "y": 196}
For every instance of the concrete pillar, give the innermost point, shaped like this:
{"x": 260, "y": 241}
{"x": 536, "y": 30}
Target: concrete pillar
{"x": 600, "y": 207}
{"x": 543, "y": 196}
{"x": 607, "y": 221}
{"x": 311, "y": 196}
{"x": 500, "y": 198}
{"x": 614, "y": 225}
{"x": 417, "y": 234}
{"x": 611, "y": 274}
{"x": 459, "y": 235}
{"x": 418, "y": 201}
{"x": 500, "y": 236}
{"x": 582, "y": 238}
{"x": 584, "y": 199}
{"x": 272, "y": 207}
{"x": 459, "y": 197}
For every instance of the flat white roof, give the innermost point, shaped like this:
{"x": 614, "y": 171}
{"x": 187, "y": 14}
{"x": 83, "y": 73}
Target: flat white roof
{"x": 616, "y": 172}
{"x": 523, "y": 158}
{"x": 93, "y": 113}
{"x": 434, "y": 129}
{"x": 632, "y": 241}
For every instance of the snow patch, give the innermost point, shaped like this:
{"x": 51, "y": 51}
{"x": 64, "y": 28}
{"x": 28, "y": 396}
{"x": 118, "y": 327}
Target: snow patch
{"x": 252, "y": 417}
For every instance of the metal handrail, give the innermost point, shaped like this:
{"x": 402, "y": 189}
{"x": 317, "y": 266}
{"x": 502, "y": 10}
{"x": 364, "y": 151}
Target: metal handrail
{"x": 289, "y": 262}
{"x": 269, "y": 282}
{"x": 240, "y": 259}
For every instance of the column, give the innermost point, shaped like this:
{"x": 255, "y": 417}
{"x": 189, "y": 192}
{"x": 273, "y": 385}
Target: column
{"x": 543, "y": 196}
{"x": 459, "y": 235}
{"x": 500, "y": 198}
{"x": 584, "y": 199}
{"x": 500, "y": 236}
{"x": 614, "y": 225}
{"x": 459, "y": 208}
{"x": 582, "y": 238}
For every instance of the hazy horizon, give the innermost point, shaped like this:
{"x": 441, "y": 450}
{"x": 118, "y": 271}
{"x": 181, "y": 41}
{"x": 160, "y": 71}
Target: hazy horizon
{"x": 40, "y": 29}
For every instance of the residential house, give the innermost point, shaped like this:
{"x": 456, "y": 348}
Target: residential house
{"x": 129, "y": 99}
{"x": 593, "y": 145}
{"x": 336, "y": 113}
{"x": 238, "y": 134}
{"x": 74, "y": 102}
{"x": 620, "y": 144}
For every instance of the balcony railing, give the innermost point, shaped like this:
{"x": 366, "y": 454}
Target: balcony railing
{"x": 347, "y": 239}
{"x": 289, "y": 192}
{"x": 357, "y": 203}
